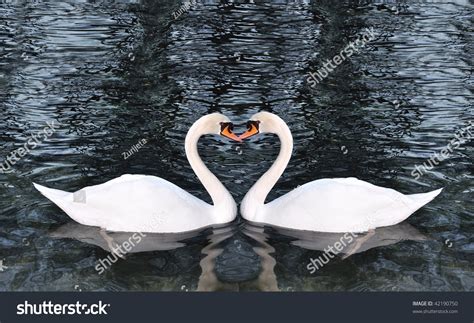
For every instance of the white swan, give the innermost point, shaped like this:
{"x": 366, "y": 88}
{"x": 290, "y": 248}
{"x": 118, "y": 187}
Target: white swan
{"x": 141, "y": 203}
{"x": 325, "y": 205}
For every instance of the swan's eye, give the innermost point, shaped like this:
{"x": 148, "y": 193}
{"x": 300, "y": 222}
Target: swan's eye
{"x": 226, "y": 131}
{"x": 252, "y": 129}
{"x": 227, "y": 125}
{"x": 253, "y": 123}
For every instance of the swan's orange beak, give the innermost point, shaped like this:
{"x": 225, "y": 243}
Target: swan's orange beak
{"x": 252, "y": 130}
{"x": 226, "y": 131}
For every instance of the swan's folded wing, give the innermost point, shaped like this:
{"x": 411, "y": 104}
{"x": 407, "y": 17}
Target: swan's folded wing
{"x": 338, "y": 205}
{"x": 135, "y": 203}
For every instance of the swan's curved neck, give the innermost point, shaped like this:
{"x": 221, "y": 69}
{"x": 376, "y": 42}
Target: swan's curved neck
{"x": 256, "y": 196}
{"x": 219, "y": 194}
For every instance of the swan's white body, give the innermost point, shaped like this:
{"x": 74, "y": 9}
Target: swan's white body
{"x": 141, "y": 203}
{"x": 325, "y": 205}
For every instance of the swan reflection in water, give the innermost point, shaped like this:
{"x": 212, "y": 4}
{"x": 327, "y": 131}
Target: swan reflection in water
{"x": 237, "y": 256}
{"x": 109, "y": 241}
{"x": 360, "y": 242}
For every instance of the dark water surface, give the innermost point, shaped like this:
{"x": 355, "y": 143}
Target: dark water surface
{"x": 115, "y": 73}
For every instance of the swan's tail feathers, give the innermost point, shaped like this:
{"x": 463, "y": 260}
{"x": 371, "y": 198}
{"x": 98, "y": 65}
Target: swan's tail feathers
{"x": 79, "y": 212}
{"x": 424, "y": 198}
{"x": 52, "y": 194}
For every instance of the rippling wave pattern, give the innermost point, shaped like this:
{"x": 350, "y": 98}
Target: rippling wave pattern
{"x": 114, "y": 73}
